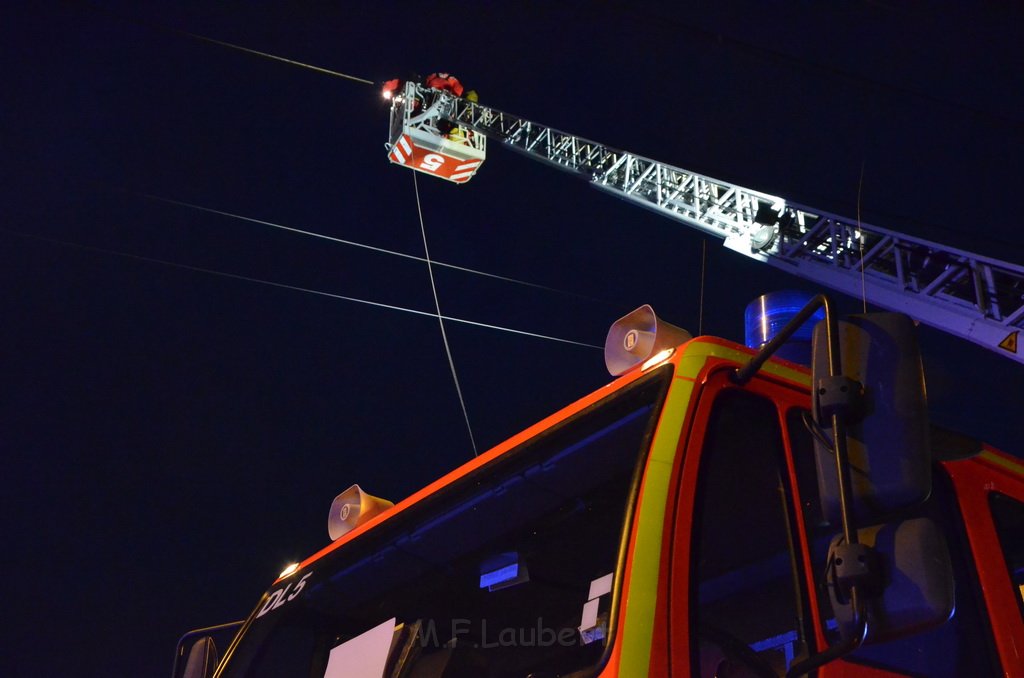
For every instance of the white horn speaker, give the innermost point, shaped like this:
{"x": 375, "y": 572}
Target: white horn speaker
{"x": 637, "y": 336}
{"x": 352, "y": 508}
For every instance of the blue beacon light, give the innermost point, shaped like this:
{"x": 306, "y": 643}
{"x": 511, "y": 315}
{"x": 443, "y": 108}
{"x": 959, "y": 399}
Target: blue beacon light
{"x": 769, "y": 313}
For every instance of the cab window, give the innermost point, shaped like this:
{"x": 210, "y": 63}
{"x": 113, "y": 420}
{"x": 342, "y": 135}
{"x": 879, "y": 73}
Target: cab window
{"x": 1008, "y": 516}
{"x": 509, "y": 571}
{"x": 748, "y": 613}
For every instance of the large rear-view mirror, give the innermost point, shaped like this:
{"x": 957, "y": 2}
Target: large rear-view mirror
{"x": 887, "y": 425}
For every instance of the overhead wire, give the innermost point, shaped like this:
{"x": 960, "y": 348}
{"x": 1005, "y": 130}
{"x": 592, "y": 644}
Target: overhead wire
{"x": 354, "y": 243}
{"x": 295, "y": 288}
{"x": 860, "y": 241}
{"x": 223, "y": 43}
{"x": 703, "y": 268}
{"x": 267, "y": 55}
{"x": 440, "y": 318}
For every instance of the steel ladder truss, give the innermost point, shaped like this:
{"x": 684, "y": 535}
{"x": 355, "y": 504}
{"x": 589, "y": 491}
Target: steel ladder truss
{"x": 971, "y": 296}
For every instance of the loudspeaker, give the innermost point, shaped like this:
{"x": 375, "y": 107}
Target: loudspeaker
{"x": 352, "y": 508}
{"x": 637, "y": 336}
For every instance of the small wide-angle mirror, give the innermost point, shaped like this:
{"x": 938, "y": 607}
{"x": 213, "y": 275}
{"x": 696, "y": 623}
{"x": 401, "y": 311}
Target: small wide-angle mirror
{"x": 917, "y": 581}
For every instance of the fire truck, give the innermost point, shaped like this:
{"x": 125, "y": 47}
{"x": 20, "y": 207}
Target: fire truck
{"x": 779, "y": 508}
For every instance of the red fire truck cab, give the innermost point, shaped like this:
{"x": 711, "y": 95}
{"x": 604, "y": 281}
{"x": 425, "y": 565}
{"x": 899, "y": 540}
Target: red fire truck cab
{"x": 686, "y": 519}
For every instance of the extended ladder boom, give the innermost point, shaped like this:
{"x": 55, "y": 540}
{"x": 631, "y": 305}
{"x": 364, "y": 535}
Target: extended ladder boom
{"x": 968, "y": 295}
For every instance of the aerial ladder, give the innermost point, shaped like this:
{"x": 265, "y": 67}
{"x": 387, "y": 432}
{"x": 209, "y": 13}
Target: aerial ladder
{"x": 971, "y": 296}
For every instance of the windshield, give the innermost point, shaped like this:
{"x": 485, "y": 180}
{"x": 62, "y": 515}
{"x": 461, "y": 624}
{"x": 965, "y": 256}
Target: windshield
{"x": 507, "y": 572}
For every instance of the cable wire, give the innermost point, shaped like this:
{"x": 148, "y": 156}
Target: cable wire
{"x": 213, "y": 41}
{"x": 860, "y": 240}
{"x": 703, "y": 268}
{"x": 353, "y": 243}
{"x": 440, "y": 318}
{"x": 265, "y": 55}
{"x": 294, "y": 288}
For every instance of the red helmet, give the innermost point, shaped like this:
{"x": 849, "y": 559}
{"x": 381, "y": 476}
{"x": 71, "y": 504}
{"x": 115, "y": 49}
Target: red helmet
{"x": 391, "y": 88}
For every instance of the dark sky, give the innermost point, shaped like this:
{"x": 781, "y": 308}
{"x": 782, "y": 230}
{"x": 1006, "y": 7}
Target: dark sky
{"x": 173, "y": 438}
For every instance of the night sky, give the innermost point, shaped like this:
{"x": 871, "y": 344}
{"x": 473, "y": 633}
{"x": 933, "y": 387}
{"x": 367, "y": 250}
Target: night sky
{"x": 174, "y": 437}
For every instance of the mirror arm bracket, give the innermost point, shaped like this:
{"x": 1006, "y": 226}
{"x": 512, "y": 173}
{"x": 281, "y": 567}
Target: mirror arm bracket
{"x": 855, "y": 565}
{"x": 744, "y": 374}
{"x": 842, "y": 401}
{"x": 836, "y": 651}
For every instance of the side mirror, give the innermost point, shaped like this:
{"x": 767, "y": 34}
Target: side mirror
{"x": 887, "y": 432}
{"x": 917, "y": 577}
{"x": 873, "y": 460}
{"x": 202, "y": 659}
